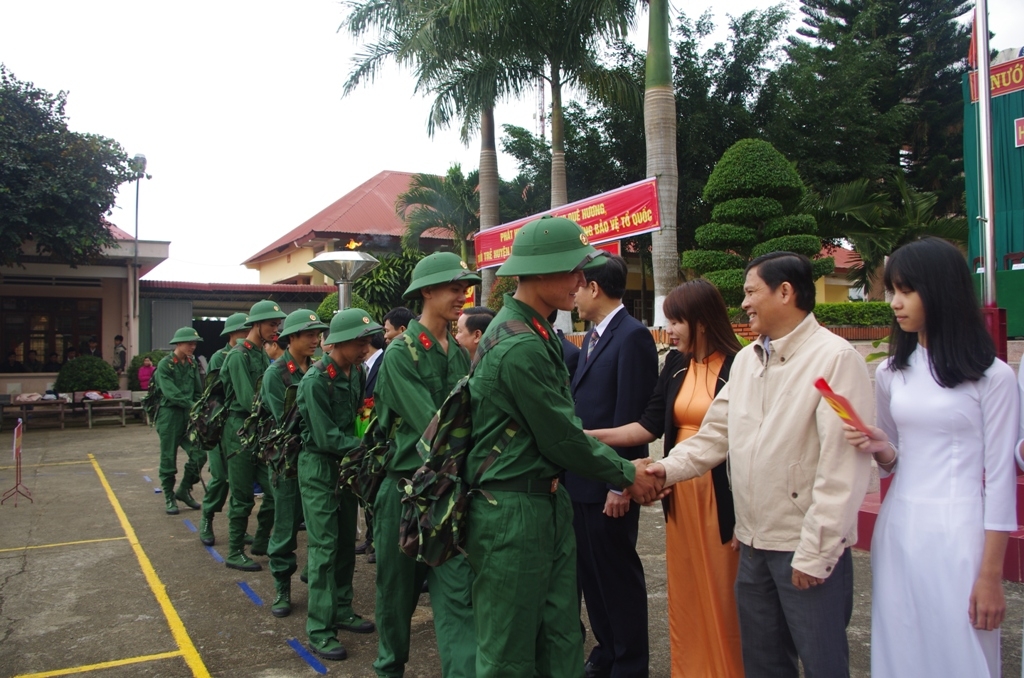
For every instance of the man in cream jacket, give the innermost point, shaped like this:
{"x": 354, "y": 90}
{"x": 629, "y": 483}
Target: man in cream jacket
{"x": 797, "y": 483}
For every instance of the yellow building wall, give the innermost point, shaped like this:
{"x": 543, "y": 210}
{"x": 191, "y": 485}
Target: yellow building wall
{"x": 291, "y": 263}
{"x": 829, "y": 290}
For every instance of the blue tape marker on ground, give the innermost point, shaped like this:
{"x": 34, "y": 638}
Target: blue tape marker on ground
{"x": 213, "y": 552}
{"x": 188, "y": 524}
{"x": 157, "y": 490}
{"x": 249, "y": 592}
{"x": 305, "y": 654}
{"x": 146, "y": 478}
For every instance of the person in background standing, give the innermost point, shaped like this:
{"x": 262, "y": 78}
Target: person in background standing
{"x": 180, "y": 386}
{"x": 32, "y": 363}
{"x": 53, "y": 364}
{"x": 120, "y": 354}
{"x": 471, "y": 326}
{"x": 93, "y": 348}
{"x": 395, "y": 322}
{"x": 948, "y": 418}
{"x": 371, "y": 365}
{"x": 701, "y": 555}
{"x": 145, "y": 372}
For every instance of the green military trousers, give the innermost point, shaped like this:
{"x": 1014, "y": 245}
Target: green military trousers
{"x": 524, "y": 554}
{"x": 399, "y": 584}
{"x": 217, "y": 488}
{"x": 170, "y": 426}
{"x": 330, "y": 542}
{"x": 243, "y": 471}
{"x": 287, "y": 516}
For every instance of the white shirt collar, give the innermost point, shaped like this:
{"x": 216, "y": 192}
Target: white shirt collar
{"x": 373, "y": 358}
{"x": 603, "y": 325}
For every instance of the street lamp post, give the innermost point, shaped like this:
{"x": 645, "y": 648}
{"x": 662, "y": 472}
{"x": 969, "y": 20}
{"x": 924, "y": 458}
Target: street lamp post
{"x": 139, "y": 163}
{"x": 343, "y": 268}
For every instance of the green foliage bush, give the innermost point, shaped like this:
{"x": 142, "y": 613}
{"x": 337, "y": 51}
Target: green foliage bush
{"x": 730, "y": 283}
{"x": 715, "y": 236}
{"x": 823, "y": 267}
{"x": 329, "y": 306}
{"x": 381, "y": 289}
{"x": 791, "y": 224}
{"x": 136, "y": 363}
{"x": 858, "y": 313}
{"x": 502, "y": 286}
{"x": 746, "y": 211}
{"x": 807, "y": 245}
{"x": 704, "y": 261}
{"x": 753, "y": 168}
{"x": 87, "y": 373}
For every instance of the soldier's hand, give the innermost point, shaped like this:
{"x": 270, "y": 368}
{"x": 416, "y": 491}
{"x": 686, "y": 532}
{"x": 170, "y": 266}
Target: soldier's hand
{"x": 646, "y": 487}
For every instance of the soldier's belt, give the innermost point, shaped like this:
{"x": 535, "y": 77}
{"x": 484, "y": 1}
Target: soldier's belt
{"x": 526, "y": 485}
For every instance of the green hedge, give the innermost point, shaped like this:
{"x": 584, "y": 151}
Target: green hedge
{"x": 749, "y": 168}
{"x": 329, "y": 306}
{"x": 703, "y": 261}
{"x": 502, "y": 286}
{"x": 822, "y": 267}
{"x": 807, "y": 245}
{"x": 715, "y": 236}
{"x": 858, "y": 313}
{"x": 136, "y": 363}
{"x": 729, "y": 283}
{"x": 746, "y": 210}
{"x": 87, "y": 373}
{"x": 791, "y": 224}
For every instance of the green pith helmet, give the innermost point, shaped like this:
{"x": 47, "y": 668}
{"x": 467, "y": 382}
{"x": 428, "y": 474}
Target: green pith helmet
{"x": 264, "y": 310}
{"x": 185, "y": 335}
{"x": 551, "y": 245}
{"x": 352, "y": 323}
{"x": 437, "y": 269}
{"x": 300, "y": 321}
{"x": 236, "y": 322}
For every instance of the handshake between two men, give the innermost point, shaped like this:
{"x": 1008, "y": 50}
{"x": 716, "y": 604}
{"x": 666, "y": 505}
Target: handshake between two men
{"x": 649, "y": 484}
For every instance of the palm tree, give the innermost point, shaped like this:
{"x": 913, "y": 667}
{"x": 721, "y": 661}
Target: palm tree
{"x": 449, "y": 203}
{"x": 660, "y": 130}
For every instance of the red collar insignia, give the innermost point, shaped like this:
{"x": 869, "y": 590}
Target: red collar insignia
{"x": 332, "y": 371}
{"x": 540, "y": 329}
{"x": 248, "y": 344}
{"x": 425, "y": 340}
{"x": 174, "y": 360}
{"x": 291, "y": 366}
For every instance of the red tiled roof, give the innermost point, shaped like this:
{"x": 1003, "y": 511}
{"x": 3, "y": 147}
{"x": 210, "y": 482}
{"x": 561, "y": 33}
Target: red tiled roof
{"x": 367, "y": 210}
{"x": 845, "y": 259}
{"x": 234, "y": 287}
{"x": 117, "y": 232}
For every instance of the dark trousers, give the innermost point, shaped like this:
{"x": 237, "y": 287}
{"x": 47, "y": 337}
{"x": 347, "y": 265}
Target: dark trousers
{"x": 611, "y": 577}
{"x": 779, "y": 623}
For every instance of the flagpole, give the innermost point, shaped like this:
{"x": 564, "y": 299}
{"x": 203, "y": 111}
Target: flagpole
{"x": 995, "y": 318}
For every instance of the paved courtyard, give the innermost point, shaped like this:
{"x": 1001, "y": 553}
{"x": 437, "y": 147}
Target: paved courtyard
{"x": 95, "y": 579}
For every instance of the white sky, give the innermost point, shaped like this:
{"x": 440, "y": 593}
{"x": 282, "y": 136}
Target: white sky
{"x": 238, "y": 109}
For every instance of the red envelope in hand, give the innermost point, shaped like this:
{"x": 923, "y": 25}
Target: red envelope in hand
{"x": 841, "y": 406}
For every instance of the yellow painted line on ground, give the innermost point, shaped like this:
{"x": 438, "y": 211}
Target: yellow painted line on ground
{"x": 188, "y": 649}
{"x": 52, "y": 463}
{"x": 102, "y": 665}
{"x": 63, "y": 543}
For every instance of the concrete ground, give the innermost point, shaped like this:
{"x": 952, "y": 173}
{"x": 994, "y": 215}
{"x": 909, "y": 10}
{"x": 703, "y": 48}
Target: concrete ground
{"x": 95, "y": 578}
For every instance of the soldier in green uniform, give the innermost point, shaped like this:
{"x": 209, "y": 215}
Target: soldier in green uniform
{"x": 242, "y": 367}
{"x": 235, "y": 328}
{"x": 418, "y": 371}
{"x": 520, "y": 538}
{"x": 328, "y": 400}
{"x": 300, "y": 338}
{"x": 177, "y": 375}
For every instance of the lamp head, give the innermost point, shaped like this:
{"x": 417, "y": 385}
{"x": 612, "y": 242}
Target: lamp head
{"x": 139, "y": 164}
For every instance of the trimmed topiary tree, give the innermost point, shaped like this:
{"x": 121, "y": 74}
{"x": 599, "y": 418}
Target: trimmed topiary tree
{"x": 133, "y": 367}
{"x": 754, "y": 191}
{"x": 87, "y": 373}
{"x": 502, "y": 286}
{"x": 329, "y": 306}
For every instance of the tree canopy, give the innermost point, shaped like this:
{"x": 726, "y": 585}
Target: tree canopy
{"x": 55, "y": 185}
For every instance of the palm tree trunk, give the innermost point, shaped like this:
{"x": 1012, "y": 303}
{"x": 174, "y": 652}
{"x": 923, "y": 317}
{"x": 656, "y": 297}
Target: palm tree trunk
{"x": 559, "y": 193}
{"x": 660, "y": 128}
{"x": 489, "y": 215}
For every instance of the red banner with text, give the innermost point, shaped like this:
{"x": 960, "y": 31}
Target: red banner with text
{"x": 625, "y": 212}
{"x": 1003, "y": 78}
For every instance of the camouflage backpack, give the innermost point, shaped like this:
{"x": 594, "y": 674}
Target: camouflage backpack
{"x": 436, "y": 498}
{"x": 260, "y": 423}
{"x": 151, "y": 401}
{"x": 207, "y": 415}
{"x": 282, "y": 444}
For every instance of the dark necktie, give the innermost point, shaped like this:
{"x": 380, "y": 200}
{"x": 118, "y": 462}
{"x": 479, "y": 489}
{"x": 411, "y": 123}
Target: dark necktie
{"x": 594, "y": 336}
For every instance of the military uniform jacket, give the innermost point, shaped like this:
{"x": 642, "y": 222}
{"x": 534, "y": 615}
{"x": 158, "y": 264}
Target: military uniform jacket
{"x": 523, "y": 378}
{"x": 217, "y": 361}
{"x": 412, "y": 384}
{"x": 179, "y": 381}
{"x": 239, "y": 373}
{"x": 274, "y": 388}
{"x": 328, "y": 402}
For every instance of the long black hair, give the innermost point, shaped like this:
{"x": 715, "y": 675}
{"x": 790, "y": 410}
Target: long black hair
{"x": 959, "y": 347}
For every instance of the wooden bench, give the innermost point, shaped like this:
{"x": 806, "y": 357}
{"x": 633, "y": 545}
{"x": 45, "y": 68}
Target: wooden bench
{"x": 116, "y": 407}
{"x": 36, "y": 408}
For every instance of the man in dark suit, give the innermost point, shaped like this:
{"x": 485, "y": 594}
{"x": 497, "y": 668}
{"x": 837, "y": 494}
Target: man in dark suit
{"x": 570, "y": 352}
{"x": 372, "y": 363}
{"x": 617, "y": 371}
